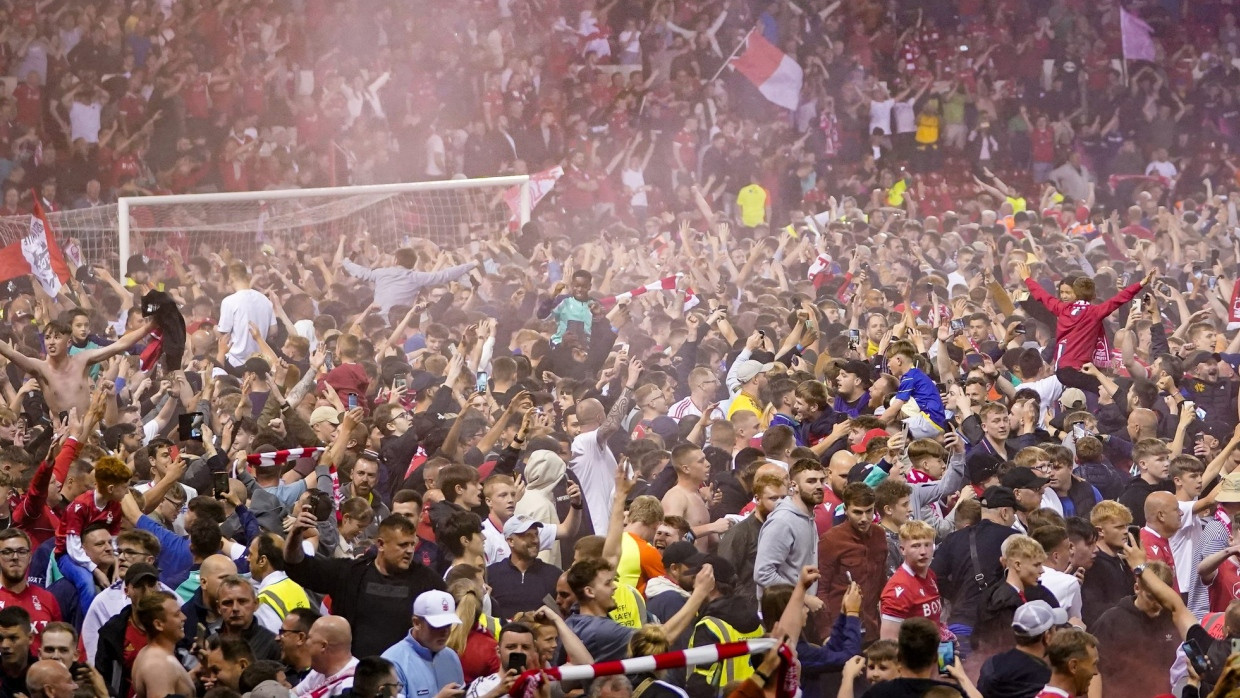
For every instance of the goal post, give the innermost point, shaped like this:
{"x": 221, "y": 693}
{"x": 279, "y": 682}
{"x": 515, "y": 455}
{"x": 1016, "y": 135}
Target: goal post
{"x": 448, "y": 213}
{"x": 441, "y": 211}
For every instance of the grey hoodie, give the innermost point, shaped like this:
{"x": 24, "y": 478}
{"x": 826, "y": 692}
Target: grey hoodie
{"x": 787, "y": 542}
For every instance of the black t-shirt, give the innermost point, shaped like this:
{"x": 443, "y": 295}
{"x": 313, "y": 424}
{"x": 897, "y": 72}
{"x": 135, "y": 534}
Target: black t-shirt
{"x": 905, "y": 688}
{"x": 1013, "y": 674}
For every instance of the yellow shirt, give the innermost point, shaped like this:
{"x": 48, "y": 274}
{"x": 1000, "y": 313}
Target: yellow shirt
{"x": 895, "y": 195}
{"x": 753, "y": 201}
{"x": 927, "y": 129}
{"x": 1018, "y": 204}
{"x": 744, "y": 402}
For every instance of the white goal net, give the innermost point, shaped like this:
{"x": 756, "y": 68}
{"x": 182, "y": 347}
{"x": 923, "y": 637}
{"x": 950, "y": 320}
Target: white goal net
{"x": 448, "y": 213}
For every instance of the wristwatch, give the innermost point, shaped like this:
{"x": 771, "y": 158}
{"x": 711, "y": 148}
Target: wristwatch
{"x": 1136, "y": 571}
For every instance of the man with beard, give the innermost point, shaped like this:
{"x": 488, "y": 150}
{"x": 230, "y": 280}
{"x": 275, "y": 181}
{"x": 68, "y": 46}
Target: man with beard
{"x": 855, "y": 551}
{"x": 15, "y": 590}
{"x": 788, "y": 540}
{"x": 499, "y": 493}
{"x": 739, "y": 545}
{"x": 1073, "y": 656}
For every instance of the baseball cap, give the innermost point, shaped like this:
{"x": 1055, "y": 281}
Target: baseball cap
{"x": 1036, "y": 617}
{"x": 1019, "y": 478}
{"x": 519, "y": 523}
{"x": 996, "y": 497}
{"x": 858, "y": 368}
{"x": 1229, "y": 488}
{"x": 324, "y": 414}
{"x": 749, "y": 369}
{"x": 258, "y": 365}
{"x": 269, "y": 689}
{"x": 683, "y": 553}
{"x": 870, "y": 435}
{"x": 421, "y": 380}
{"x": 1200, "y": 358}
{"x": 135, "y": 263}
{"x": 725, "y": 572}
{"x": 982, "y": 466}
{"x": 1072, "y": 398}
{"x": 437, "y": 608}
{"x": 140, "y": 571}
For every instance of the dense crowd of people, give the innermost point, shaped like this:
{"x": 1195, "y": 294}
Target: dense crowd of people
{"x": 933, "y": 380}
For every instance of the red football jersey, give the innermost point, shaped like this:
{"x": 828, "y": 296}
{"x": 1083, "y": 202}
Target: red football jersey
{"x": 1159, "y": 548}
{"x": 39, "y": 603}
{"x": 1226, "y": 585}
{"x": 908, "y": 596}
{"x": 82, "y": 513}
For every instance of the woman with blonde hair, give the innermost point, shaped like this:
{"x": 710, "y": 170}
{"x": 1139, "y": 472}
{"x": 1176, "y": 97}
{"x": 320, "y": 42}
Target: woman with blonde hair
{"x": 476, "y": 647}
{"x": 650, "y": 640}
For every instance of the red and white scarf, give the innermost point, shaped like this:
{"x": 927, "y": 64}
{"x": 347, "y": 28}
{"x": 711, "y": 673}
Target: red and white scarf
{"x": 667, "y": 283}
{"x": 527, "y": 684}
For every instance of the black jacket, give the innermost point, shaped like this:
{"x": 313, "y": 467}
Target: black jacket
{"x": 366, "y": 597}
{"x": 953, "y": 565}
{"x": 1142, "y": 668}
{"x": 995, "y": 609}
{"x": 110, "y": 653}
{"x": 1106, "y": 582}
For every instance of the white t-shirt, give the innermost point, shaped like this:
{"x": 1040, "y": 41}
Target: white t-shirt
{"x": 634, "y": 180}
{"x": 495, "y": 547}
{"x": 1184, "y": 547}
{"x": 880, "y": 115}
{"x": 84, "y": 121}
{"x": 1066, "y": 588}
{"x": 434, "y": 146}
{"x": 906, "y": 121}
{"x": 595, "y": 466}
{"x": 237, "y": 311}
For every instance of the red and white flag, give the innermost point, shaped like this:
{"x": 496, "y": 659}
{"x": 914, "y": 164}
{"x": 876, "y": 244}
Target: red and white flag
{"x": 541, "y": 184}
{"x": 776, "y": 75}
{"x": 36, "y": 255}
{"x": 1136, "y": 37}
{"x": 667, "y": 283}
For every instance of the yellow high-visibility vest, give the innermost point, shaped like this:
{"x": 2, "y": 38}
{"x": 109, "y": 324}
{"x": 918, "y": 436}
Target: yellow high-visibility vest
{"x": 723, "y": 673}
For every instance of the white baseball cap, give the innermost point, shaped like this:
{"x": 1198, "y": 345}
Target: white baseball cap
{"x": 437, "y": 608}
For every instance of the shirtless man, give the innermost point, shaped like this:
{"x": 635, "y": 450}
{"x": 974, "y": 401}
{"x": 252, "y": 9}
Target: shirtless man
{"x": 156, "y": 671}
{"x": 65, "y": 379}
{"x": 686, "y": 500}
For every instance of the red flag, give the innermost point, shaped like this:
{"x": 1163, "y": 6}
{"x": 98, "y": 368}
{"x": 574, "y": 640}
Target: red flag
{"x": 37, "y": 254}
{"x": 776, "y": 75}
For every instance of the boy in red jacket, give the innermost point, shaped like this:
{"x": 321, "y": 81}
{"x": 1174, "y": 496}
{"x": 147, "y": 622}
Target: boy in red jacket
{"x": 100, "y": 505}
{"x": 1079, "y": 336}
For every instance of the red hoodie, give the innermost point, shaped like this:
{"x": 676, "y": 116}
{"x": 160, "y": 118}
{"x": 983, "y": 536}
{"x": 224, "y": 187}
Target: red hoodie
{"x": 1080, "y": 335}
{"x": 31, "y": 512}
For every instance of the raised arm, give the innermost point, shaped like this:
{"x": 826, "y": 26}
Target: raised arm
{"x": 29, "y": 364}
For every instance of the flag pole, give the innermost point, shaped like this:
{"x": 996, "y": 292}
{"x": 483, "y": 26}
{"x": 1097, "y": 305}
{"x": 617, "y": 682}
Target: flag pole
{"x": 728, "y": 60}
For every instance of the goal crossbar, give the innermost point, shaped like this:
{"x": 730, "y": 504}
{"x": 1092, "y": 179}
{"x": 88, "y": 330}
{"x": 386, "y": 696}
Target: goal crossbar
{"x": 124, "y": 205}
